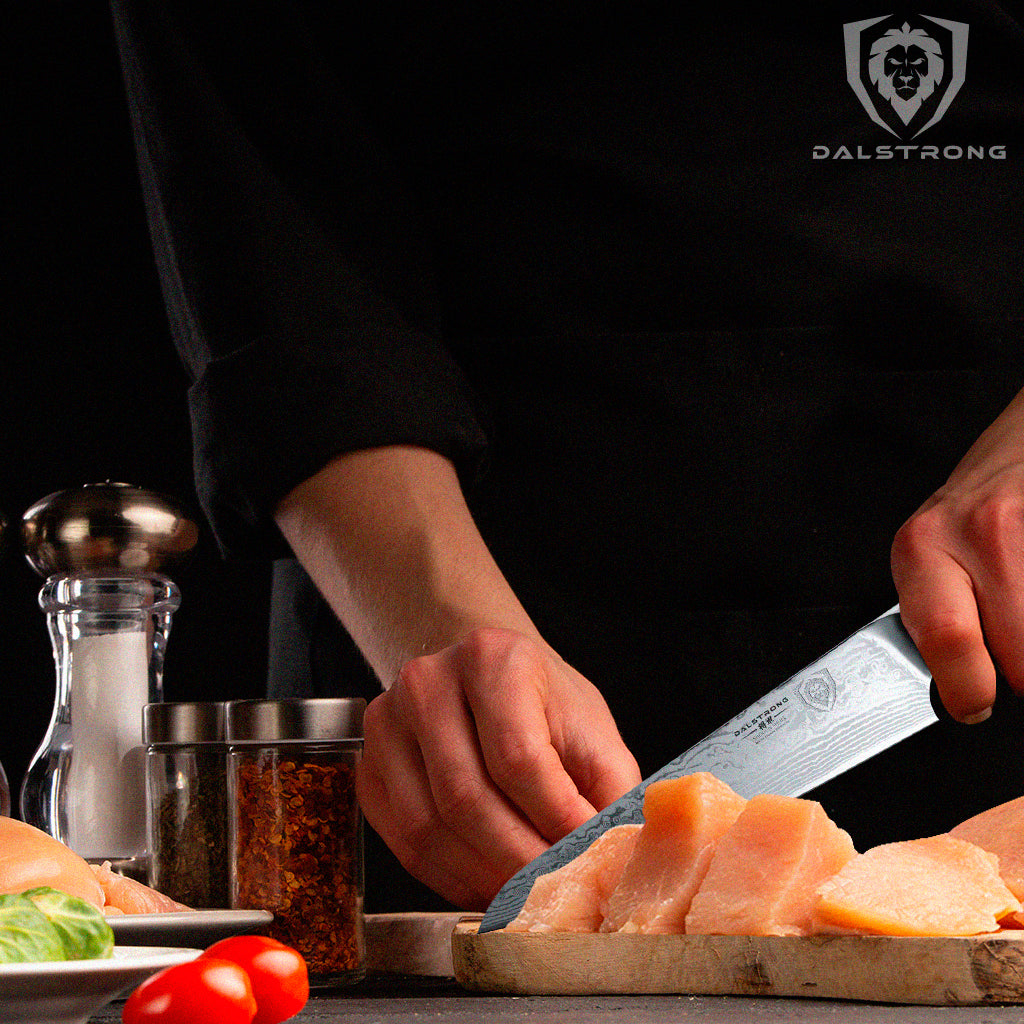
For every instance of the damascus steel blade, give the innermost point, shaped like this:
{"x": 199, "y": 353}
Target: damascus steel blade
{"x": 866, "y": 694}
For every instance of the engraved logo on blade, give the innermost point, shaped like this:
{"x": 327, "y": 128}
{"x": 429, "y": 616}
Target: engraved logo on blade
{"x": 818, "y": 691}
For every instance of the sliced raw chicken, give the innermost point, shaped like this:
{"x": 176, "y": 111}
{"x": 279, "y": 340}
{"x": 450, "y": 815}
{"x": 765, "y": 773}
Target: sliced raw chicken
{"x": 126, "y": 896}
{"x": 574, "y": 897}
{"x": 1000, "y": 830}
{"x": 29, "y": 858}
{"x": 765, "y": 871}
{"x": 935, "y": 886}
{"x": 683, "y": 820}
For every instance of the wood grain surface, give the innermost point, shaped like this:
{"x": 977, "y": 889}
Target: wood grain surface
{"x": 412, "y": 943}
{"x": 980, "y": 970}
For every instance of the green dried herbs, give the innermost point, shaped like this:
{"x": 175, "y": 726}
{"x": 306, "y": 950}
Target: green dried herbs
{"x": 190, "y": 831}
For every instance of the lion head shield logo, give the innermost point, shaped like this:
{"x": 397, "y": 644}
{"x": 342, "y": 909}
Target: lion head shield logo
{"x": 905, "y": 69}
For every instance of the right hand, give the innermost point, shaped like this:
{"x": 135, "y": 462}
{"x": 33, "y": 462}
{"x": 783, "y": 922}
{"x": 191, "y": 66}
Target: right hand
{"x": 479, "y": 757}
{"x": 958, "y": 565}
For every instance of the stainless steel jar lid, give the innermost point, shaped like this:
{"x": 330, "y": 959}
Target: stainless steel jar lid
{"x": 184, "y": 722}
{"x": 317, "y": 719}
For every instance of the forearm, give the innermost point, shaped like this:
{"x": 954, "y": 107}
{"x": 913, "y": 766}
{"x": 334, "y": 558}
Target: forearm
{"x": 386, "y": 536}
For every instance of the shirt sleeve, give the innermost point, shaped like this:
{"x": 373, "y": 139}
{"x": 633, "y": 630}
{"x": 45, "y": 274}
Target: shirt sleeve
{"x": 290, "y": 258}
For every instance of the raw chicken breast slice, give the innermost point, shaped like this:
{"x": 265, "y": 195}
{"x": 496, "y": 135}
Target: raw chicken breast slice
{"x": 30, "y": 857}
{"x": 574, "y": 897}
{"x": 766, "y": 870}
{"x": 1000, "y": 830}
{"x": 940, "y": 885}
{"x": 683, "y": 820}
{"x": 126, "y": 896}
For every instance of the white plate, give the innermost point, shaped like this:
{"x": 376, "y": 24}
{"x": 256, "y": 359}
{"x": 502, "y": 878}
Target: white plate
{"x": 198, "y": 928}
{"x": 71, "y": 991}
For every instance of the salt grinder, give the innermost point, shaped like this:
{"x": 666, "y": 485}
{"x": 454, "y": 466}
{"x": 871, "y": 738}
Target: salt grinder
{"x": 102, "y": 550}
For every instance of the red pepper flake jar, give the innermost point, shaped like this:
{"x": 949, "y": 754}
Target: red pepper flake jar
{"x": 295, "y": 830}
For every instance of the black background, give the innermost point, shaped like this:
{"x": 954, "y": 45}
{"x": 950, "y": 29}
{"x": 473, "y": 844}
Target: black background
{"x": 91, "y": 387}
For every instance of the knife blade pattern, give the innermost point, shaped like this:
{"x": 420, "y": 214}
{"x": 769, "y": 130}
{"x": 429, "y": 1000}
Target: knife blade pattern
{"x": 866, "y": 694}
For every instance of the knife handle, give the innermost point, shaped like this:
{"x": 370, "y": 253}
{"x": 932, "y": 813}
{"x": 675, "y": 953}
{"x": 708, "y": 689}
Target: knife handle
{"x": 1004, "y": 692}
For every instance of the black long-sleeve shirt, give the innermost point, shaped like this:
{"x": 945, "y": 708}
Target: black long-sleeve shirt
{"x": 698, "y": 313}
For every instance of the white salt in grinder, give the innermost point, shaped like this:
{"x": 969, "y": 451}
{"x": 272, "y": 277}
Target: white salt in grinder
{"x": 102, "y": 549}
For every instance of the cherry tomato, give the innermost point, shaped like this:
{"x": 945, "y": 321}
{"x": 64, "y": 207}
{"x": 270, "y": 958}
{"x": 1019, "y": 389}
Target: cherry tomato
{"x": 279, "y": 976}
{"x": 203, "y": 991}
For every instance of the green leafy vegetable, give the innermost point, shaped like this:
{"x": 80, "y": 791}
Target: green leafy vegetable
{"x": 26, "y": 933}
{"x": 82, "y": 928}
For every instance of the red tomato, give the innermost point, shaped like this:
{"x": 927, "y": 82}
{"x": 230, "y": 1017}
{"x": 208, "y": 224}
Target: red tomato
{"x": 203, "y": 991}
{"x": 280, "y": 979}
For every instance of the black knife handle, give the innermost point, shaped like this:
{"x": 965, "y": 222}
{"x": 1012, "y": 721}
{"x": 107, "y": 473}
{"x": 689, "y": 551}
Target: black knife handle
{"x": 1004, "y": 692}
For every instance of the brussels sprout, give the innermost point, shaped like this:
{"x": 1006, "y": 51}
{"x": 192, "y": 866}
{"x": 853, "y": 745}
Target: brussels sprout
{"x": 26, "y": 934}
{"x": 82, "y": 928}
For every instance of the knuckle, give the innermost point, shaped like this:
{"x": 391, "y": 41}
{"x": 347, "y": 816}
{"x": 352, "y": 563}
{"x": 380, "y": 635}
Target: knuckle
{"x": 412, "y": 675}
{"x": 377, "y": 728}
{"x": 490, "y": 647}
{"x": 514, "y": 759}
{"x": 415, "y": 687}
{"x": 458, "y": 797}
{"x": 522, "y": 768}
{"x": 375, "y": 716}
{"x": 994, "y": 526}
{"x": 920, "y": 534}
{"x": 415, "y": 832}
{"x": 943, "y": 634}
{"x": 597, "y": 775}
{"x": 480, "y": 648}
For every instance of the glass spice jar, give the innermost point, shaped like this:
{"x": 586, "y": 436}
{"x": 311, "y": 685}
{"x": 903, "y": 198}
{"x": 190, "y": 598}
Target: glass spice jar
{"x": 186, "y": 802}
{"x": 296, "y": 834}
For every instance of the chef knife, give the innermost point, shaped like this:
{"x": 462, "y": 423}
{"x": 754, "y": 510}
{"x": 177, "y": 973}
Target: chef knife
{"x": 866, "y": 694}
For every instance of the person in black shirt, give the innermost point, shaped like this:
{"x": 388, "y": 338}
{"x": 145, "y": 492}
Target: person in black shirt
{"x": 543, "y": 345}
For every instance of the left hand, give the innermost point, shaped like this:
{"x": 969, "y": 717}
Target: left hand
{"x": 480, "y": 756}
{"x": 958, "y": 565}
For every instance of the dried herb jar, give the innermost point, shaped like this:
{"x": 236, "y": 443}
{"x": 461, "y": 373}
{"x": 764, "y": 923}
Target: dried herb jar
{"x": 186, "y": 802}
{"x": 296, "y": 834}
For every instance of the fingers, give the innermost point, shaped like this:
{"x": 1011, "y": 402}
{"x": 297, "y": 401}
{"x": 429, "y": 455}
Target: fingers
{"x": 949, "y": 638}
{"x": 469, "y": 769}
{"x": 958, "y": 564}
{"x": 940, "y": 609}
{"x": 430, "y": 700}
{"x": 597, "y": 759}
{"x": 995, "y": 532}
{"x": 509, "y": 687}
{"x": 397, "y": 800}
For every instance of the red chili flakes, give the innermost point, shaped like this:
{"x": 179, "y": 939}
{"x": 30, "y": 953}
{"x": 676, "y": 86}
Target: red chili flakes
{"x": 298, "y": 853}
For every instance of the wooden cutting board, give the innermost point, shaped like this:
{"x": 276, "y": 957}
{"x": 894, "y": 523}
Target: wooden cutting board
{"x": 415, "y": 944}
{"x": 972, "y": 971}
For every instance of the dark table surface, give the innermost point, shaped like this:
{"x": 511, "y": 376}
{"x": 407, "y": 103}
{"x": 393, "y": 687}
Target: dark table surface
{"x": 402, "y": 1001}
